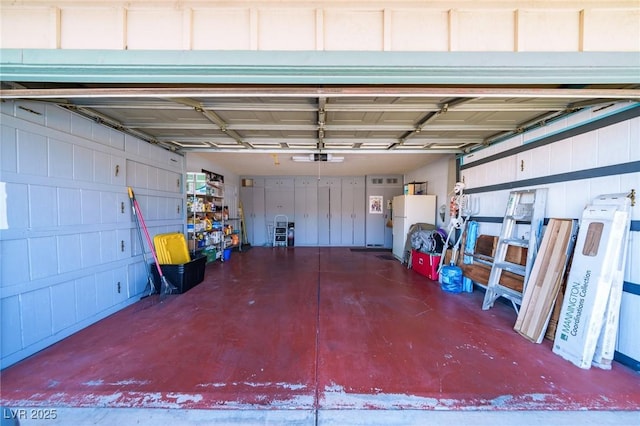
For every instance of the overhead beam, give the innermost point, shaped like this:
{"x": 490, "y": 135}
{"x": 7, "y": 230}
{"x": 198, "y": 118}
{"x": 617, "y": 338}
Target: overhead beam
{"x": 327, "y": 127}
{"x": 381, "y": 150}
{"x": 312, "y": 91}
{"x": 475, "y": 106}
{"x": 317, "y": 67}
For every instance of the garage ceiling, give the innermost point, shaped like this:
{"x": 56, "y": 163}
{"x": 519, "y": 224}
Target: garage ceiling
{"x": 376, "y": 129}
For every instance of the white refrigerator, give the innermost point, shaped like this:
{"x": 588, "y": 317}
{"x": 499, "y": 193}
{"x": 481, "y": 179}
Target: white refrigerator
{"x": 408, "y": 210}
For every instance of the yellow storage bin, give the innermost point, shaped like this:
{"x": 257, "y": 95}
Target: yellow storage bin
{"x": 171, "y": 249}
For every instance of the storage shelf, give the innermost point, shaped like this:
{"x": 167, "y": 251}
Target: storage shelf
{"x": 205, "y": 215}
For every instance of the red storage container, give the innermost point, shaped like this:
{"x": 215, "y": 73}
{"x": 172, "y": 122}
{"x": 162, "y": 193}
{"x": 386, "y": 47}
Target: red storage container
{"x": 425, "y": 264}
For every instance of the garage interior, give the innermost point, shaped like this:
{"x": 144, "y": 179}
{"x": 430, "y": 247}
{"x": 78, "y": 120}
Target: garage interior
{"x": 318, "y": 334}
{"x": 313, "y": 332}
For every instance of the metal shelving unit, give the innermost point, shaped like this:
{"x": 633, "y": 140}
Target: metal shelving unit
{"x": 205, "y": 216}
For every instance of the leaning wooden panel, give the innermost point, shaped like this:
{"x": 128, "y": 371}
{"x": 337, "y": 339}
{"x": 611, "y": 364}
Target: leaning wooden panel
{"x": 542, "y": 277}
{"x": 545, "y": 280}
{"x": 542, "y": 280}
{"x": 541, "y": 312}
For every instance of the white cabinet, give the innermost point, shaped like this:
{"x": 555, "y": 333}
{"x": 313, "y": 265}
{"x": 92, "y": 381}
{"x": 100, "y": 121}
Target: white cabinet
{"x": 329, "y": 211}
{"x": 279, "y": 197}
{"x": 279, "y": 183}
{"x": 306, "y": 211}
{"x": 252, "y": 195}
{"x": 353, "y": 211}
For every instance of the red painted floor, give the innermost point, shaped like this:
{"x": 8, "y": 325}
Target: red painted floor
{"x": 312, "y": 328}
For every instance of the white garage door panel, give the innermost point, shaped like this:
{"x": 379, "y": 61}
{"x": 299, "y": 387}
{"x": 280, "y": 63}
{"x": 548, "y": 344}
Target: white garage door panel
{"x": 66, "y": 257}
{"x": 32, "y": 154}
{"x": 17, "y": 205}
{"x": 59, "y": 154}
{"x": 36, "y": 316}
{"x": 14, "y": 261}
{"x": 43, "y": 257}
{"x": 69, "y": 244}
{"x": 63, "y": 312}
{"x": 10, "y": 314}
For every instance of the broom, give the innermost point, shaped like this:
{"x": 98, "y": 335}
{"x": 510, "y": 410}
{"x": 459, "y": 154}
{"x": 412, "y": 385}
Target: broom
{"x": 165, "y": 286}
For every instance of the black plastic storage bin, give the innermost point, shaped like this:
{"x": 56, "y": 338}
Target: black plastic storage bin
{"x": 183, "y": 276}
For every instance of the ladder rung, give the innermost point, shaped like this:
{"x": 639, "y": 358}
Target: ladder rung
{"x": 480, "y": 257}
{"x": 509, "y": 293}
{"x": 515, "y": 242}
{"x": 511, "y": 267}
{"x": 522, "y": 219}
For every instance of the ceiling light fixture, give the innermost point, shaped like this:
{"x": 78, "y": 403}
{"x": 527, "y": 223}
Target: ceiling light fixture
{"x": 312, "y": 158}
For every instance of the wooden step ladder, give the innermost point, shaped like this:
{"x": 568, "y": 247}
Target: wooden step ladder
{"x": 524, "y": 207}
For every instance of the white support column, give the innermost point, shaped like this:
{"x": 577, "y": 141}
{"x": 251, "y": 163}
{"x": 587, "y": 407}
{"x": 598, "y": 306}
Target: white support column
{"x": 54, "y": 28}
{"x": 452, "y": 29}
{"x": 386, "y": 30}
{"x": 187, "y": 28}
{"x": 319, "y": 29}
{"x": 254, "y": 30}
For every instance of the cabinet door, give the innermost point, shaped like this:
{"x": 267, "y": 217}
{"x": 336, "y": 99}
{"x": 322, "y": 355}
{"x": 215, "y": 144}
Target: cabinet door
{"x": 253, "y": 203}
{"x": 353, "y": 207}
{"x": 300, "y": 215}
{"x": 279, "y": 183}
{"x": 359, "y": 209}
{"x": 279, "y": 201}
{"x": 246, "y": 198}
{"x": 329, "y": 211}
{"x": 306, "y": 216}
{"x": 324, "y": 216}
{"x": 311, "y": 222}
{"x": 335, "y": 213}
{"x": 346, "y": 216}
{"x": 258, "y": 216}
{"x": 274, "y": 200}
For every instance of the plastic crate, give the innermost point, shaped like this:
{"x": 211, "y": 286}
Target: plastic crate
{"x": 184, "y": 277}
{"x": 171, "y": 248}
{"x": 425, "y": 264}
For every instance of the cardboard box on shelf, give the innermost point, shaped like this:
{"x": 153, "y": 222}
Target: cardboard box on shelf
{"x": 415, "y": 188}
